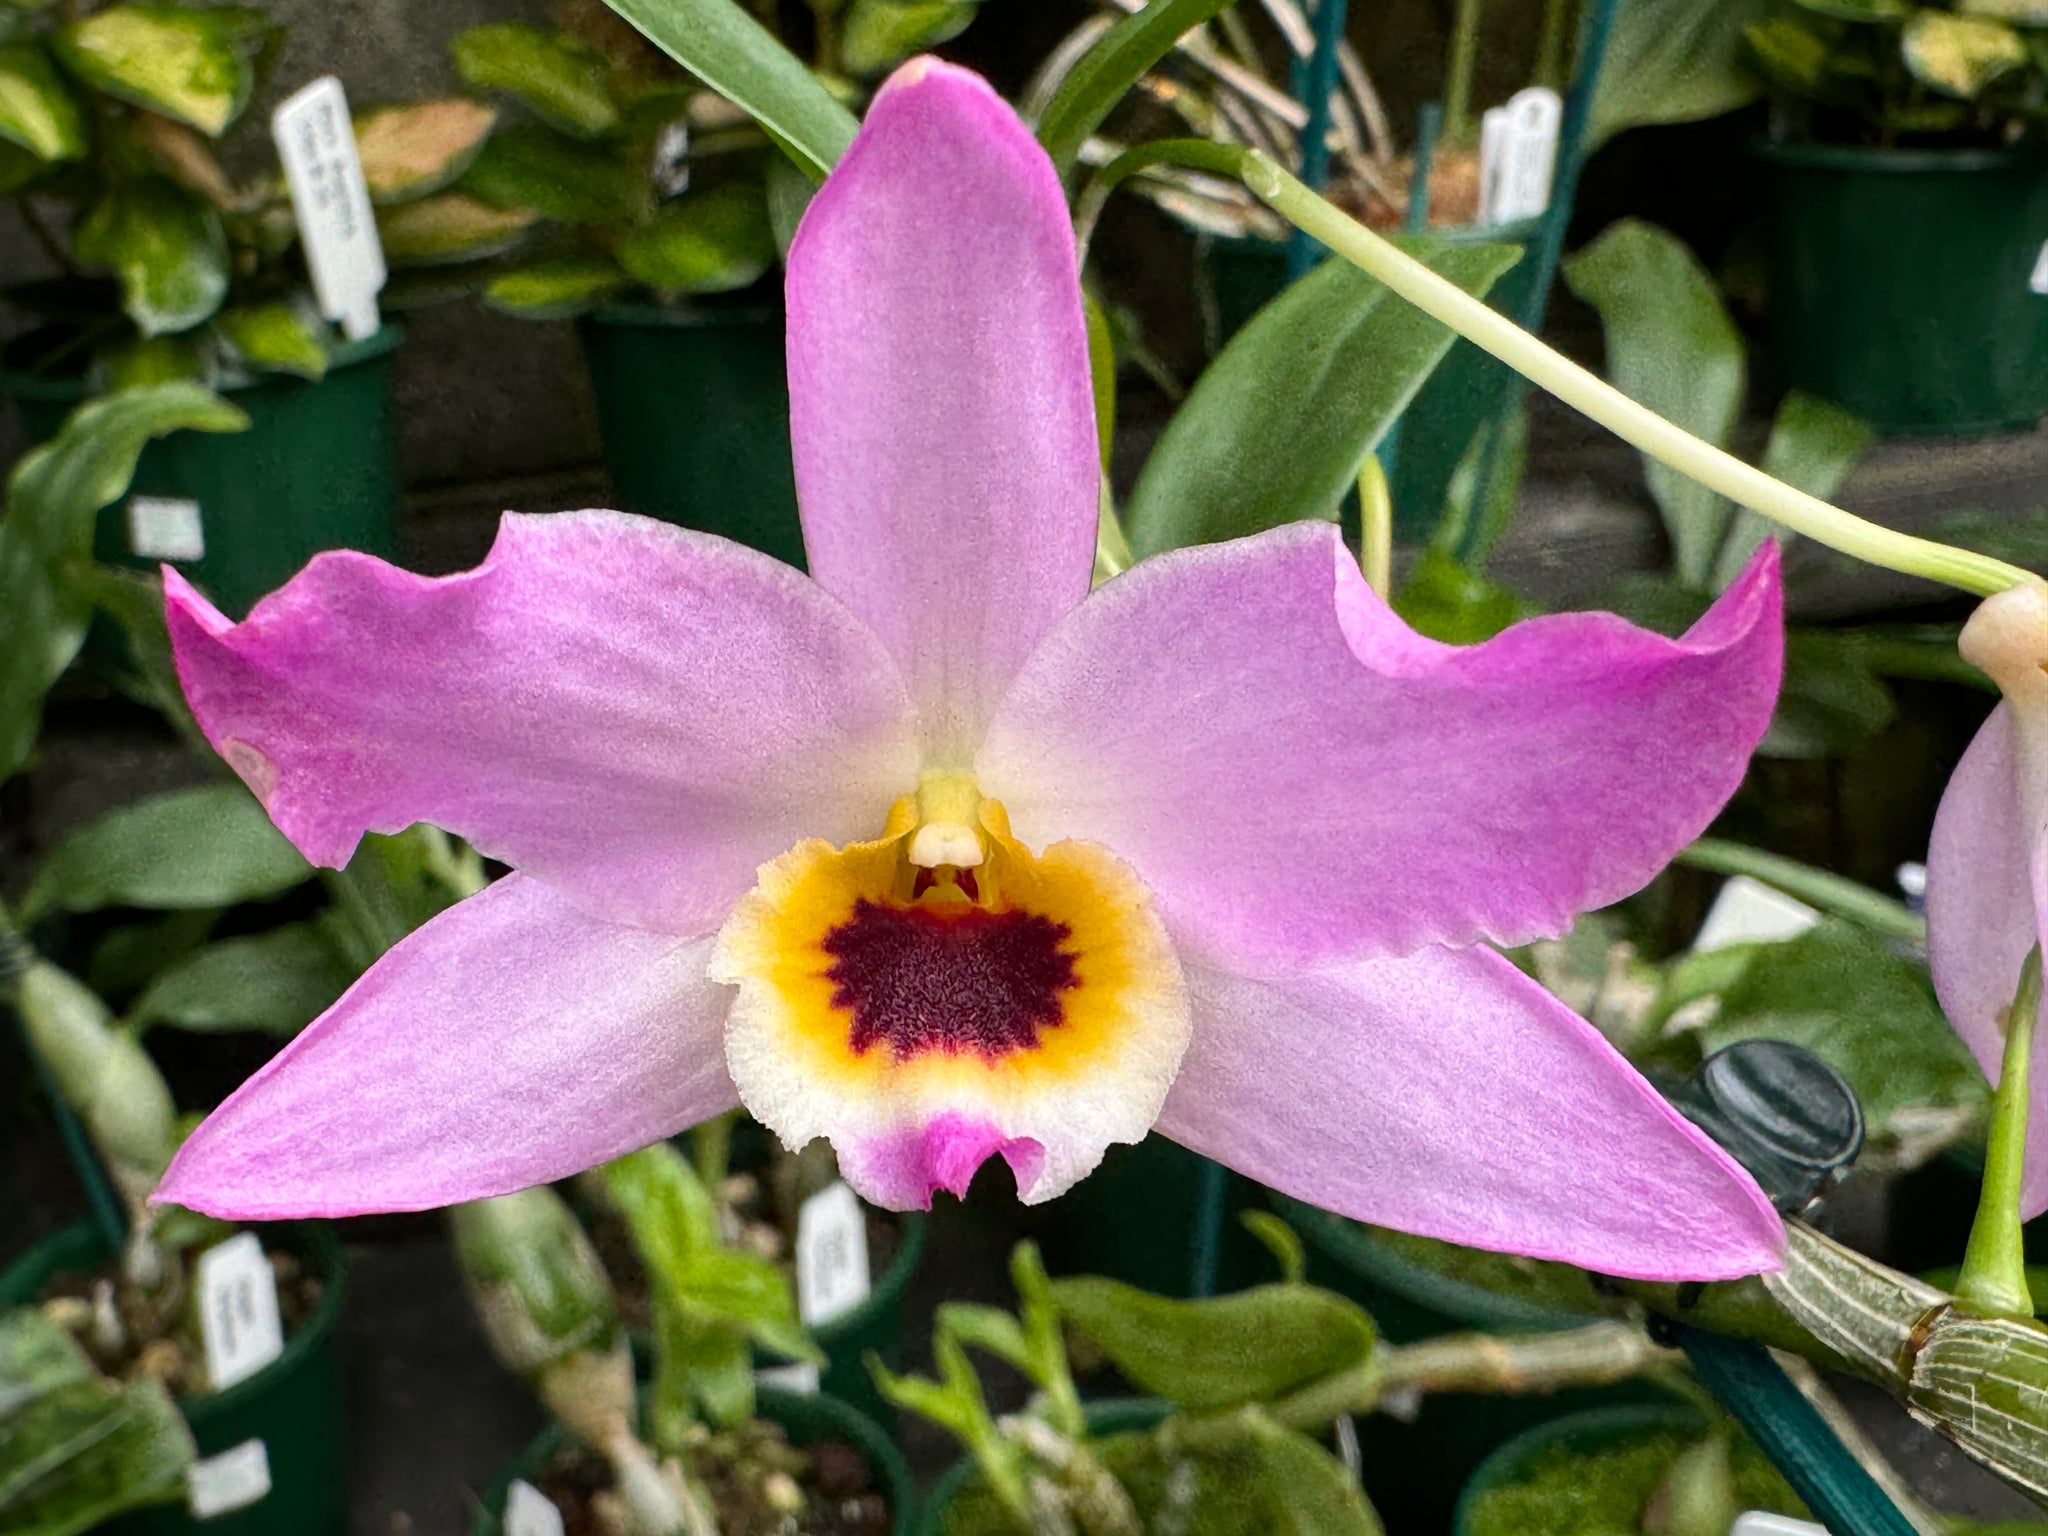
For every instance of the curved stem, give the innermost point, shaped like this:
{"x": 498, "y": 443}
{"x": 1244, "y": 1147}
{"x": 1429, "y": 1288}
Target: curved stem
{"x": 1191, "y": 154}
{"x": 1742, "y": 483}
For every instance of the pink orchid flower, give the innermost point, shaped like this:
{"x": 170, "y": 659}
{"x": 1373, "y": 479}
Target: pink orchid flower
{"x": 941, "y": 856}
{"x": 1987, "y": 862}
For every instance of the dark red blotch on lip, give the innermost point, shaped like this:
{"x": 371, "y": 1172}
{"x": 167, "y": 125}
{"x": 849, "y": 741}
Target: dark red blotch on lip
{"x": 953, "y": 981}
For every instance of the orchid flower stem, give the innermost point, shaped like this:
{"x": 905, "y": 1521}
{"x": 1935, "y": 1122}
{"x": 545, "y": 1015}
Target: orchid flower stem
{"x": 1636, "y": 424}
{"x": 1993, "y": 1282}
{"x": 1376, "y": 526}
{"x": 1832, "y": 894}
{"x": 1459, "y": 66}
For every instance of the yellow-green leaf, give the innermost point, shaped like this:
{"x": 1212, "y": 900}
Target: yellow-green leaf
{"x": 448, "y": 228}
{"x": 1960, "y": 55}
{"x": 2021, "y": 13}
{"x": 37, "y": 109}
{"x": 877, "y": 35}
{"x": 276, "y": 338}
{"x": 166, "y": 247}
{"x": 555, "y": 289}
{"x": 708, "y": 242}
{"x": 562, "y": 79}
{"x": 410, "y": 151}
{"x": 191, "y": 63}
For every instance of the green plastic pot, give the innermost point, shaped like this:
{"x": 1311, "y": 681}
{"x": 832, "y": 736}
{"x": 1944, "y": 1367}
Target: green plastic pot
{"x": 1134, "y": 1219}
{"x": 1585, "y": 1433}
{"x": 693, "y": 409}
{"x": 293, "y": 1405}
{"x": 875, "y": 1325}
{"x": 317, "y": 469}
{"x": 1111, "y": 1416}
{"x": 806, "y": 1419}
{"x": 1413, "y": 1471}
{"x": 1900, "y": 283}
{"x": 1468, "y": 390}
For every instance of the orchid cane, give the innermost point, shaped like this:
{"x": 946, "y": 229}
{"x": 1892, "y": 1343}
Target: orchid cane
{"x": 941, "y": 856}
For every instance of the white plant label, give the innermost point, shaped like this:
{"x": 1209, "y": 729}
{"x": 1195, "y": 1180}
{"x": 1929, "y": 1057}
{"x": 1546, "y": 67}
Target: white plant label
{"x": 233, "y": 1480}
{"x": 2039, "y": 281}
{"x": 528, "y": 1511}
{"x": 238, "y": 1317}
{"x": 1757, "y": 1523}
{"x": 331, "y": 203}
{"x": 1749, "y": 912}
{"x": 831, "y": 1254}
{"x": 799, "y": 1376}
{"x": 1518, "y": 155}
{"x": 166, "y": 528}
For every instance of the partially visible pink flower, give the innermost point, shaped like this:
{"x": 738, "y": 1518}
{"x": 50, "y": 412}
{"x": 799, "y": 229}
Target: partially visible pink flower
{"x": 942, "y": 857}
{"x": 1987, "y": 864}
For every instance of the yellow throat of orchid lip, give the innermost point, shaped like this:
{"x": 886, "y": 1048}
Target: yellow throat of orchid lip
{"x": 944, "y": 945}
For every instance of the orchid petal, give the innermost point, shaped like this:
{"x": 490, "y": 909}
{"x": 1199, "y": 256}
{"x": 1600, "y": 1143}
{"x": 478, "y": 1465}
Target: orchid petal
{"x": 1447, "y": 1094}
{"x": 635, "y": 714}
{"x": 1299, "y": 777}
{"x": 511, "y": 1041}
{"x": 1986, "y": 864}
{"x": 940, "y": 405}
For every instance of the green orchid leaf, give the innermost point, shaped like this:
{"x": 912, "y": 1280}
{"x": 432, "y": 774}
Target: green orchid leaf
{"x": 1833, "y": 700}
{"x": 989, "y": 1328}
{"x": 1845, "y": 995}
{"x": 46, "y": 537}
{"x": 275, "y": 338}
{"x": 1863, "y": 11}
{"x": 1278, "y": 426}
{"x": 571, "y": 180}
{"x": 37, "y": 110}
{"x": 712, "y": 241}
{"x": 789, "y": 194}
{"x": 37, "y": 1356}
{"x": 1813, "y": 446}
{"x": 1675, "y": 61}
{"x": 134, "y": 601}
{"x": 726, "y": 48}
{"x": 1450, "y": 601}
{"x": 449, "y": 227}
{"x": 1106, "y": 72}
{"x": 410, "y": 151}
{"x": 560, "y": 77}
{"x": 167, "y": 248}
{"x": 192, "y": 63}
{"x": 2021, "y": 13}
{"x": 538, "y": 1286}
{"x": 555, "y": 288}
{"x": 1216, "y": 1353}
{"x": 1960, "y": 55}
{"x": 211, "y": 846}
{"x": 1260, "y": 1480}
{"x": 145, "y": 360}
{"x": 674, "y": 1223}
{"x": 702, "y": 1371}
{"x": 86, "y": 1451}
{"x": 1671, "y": 347}
{"x": 277, "y": 982}
{"x": 877, "y": 35}
{"x": 1793, "y": 54}
{"x": 102, "y": 1072}
{"x": 19, "y": 167}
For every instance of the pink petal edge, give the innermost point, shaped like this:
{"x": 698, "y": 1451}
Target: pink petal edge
{"x": 1984, "y": 913}
{"x": 636, "y": 714}
{"x": 1447, "y": 1094}
{"x": 511, "y": 1041}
